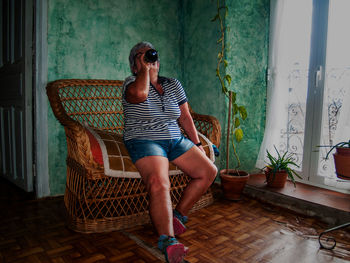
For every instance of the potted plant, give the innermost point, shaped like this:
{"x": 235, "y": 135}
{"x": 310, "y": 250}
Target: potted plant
{"x": 341, "y": 159}
{"x": 279, "y": 168}
{"x": 232, "y": 180}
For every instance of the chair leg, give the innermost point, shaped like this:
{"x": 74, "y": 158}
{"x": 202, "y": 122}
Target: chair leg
{"x": 331, "y": 238}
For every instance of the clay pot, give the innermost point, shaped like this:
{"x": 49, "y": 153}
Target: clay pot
{"x": 277, "y": 181}
{"x": 232, "y": 183}
{"x": 342, "y": 163}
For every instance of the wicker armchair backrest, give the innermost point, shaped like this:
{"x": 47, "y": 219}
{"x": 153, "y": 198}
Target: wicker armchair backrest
{"x": 96, "y": 103}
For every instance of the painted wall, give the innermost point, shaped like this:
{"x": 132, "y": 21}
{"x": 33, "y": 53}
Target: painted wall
{"x": 247, "y": 41}
{"x": 92, "y": 39}
{"x": 200, "y": 58}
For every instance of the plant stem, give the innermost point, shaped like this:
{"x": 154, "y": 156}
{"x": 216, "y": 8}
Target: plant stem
{"x": 228, "y": 131}
{"x": 236, "y": 155}
{"x": 229, "y": 94}
{"x": 222, "y": 53}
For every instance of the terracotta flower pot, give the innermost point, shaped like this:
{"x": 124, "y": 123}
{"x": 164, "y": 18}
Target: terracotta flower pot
{"x": 342, "y": 163}
{"x": 233, "y": 184}
{"x": 277, "y": 181}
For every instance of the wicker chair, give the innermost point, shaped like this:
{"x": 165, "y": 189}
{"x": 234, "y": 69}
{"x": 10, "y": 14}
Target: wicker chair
{"x": 96, "y": 202}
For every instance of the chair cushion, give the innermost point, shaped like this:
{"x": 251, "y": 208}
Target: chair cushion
{"x": 108, "y": 150}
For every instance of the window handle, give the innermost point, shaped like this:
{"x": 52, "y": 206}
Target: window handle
{"x": 318, "y": 76}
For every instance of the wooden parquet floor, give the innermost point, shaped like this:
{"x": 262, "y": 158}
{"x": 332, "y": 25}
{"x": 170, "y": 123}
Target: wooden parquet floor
{"x": 244, "y": 231}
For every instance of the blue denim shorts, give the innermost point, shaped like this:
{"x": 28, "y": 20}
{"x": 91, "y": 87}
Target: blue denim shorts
{"x": 170, "y": 149}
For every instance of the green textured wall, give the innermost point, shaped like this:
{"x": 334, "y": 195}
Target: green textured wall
{"x": 92, "y": 39}
{"x": 200, "y": 58}
{"x": 247, "y": 41}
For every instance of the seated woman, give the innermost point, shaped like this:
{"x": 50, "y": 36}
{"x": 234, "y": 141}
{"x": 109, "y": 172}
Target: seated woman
{"x": 153, "y": 107}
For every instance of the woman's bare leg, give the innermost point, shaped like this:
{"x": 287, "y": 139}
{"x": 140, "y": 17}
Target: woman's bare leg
{"x": 154, "y": 171}
{"x": 202, "y": 171}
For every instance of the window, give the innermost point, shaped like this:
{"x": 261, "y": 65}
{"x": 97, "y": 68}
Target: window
{"x": 309, "y": 85}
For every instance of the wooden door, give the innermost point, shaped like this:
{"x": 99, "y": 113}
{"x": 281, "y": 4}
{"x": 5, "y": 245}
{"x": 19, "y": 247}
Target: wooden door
{"x": 16, "y": 98}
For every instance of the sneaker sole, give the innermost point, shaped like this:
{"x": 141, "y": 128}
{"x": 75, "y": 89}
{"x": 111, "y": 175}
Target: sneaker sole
{"x": 176, "y": 253}
{"x": 179, "y": 228}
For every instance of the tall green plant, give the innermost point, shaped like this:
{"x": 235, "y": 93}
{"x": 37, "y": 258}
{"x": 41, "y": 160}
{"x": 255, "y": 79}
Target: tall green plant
{"x": 237, "y": 113}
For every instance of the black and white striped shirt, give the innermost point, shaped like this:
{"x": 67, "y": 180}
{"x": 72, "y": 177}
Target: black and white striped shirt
{"x": 156, "y": 117}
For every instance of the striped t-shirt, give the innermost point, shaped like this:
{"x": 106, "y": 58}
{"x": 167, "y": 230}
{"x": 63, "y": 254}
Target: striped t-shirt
{"x": 156, "y": 117}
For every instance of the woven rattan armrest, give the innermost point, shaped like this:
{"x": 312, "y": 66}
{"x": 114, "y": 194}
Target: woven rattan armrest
{"x": 78, "y": 144}
{"x": 79, "y": 151}
{"x": 207, "y": 125}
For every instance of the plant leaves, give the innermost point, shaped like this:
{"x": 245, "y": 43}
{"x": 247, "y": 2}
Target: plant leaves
{"x": 237, "y": 122}
{"x": 239, "y": 134}
{"x": 242, "y": 112}
{"x": 233, "y": 100}
{"x": 234, "y": 108}
{"x": 283, "y": 162}
{"x": 225, "y": 63}
{"x": 228, "y": 79}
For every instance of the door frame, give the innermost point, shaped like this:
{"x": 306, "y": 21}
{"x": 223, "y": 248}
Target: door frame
{"x": 41, "y": 166}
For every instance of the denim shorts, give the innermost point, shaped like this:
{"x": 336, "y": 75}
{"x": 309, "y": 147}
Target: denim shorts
{"x": 170, "y": 149}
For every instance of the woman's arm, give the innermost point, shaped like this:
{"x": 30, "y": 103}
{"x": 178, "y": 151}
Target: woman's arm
{"x": 137, "y": 91}
{"x": 186, "y": 122}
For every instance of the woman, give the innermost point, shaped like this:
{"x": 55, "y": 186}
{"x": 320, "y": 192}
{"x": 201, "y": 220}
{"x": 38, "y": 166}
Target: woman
{"x": 152, "y": 106}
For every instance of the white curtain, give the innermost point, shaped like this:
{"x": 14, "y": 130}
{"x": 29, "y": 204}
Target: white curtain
{"x": 289, "y": 48}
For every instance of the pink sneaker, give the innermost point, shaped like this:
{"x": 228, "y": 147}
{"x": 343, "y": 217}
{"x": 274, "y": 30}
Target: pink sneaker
{"x": 173, "y": 250}
{"x": 179, "y": 223}
{"x": 179, "y": 227}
